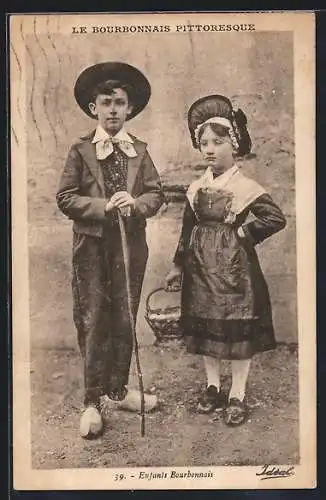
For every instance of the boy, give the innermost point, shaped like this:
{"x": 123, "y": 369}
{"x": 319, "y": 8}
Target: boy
{"x": 106, "y": 171}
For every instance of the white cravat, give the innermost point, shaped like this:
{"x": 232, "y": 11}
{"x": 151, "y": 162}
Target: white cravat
{"x": 104, "y": 143}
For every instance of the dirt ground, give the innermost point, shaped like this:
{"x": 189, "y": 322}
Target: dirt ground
{"x": 175, "y": 434}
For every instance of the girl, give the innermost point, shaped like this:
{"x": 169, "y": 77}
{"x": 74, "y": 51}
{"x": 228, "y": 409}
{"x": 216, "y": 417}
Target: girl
{"x": 226, "y": 309}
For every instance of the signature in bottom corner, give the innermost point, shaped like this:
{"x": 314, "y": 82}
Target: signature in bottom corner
{"x": 273, "y": 472}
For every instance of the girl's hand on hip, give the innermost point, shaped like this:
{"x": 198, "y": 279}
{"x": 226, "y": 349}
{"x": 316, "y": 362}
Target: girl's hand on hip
{"x": 173, "y": 280}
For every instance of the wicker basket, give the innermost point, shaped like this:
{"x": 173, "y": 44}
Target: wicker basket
{"x": 165, "y": 322}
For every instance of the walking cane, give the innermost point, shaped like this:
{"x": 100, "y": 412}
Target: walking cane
{"x": 126, "y": 260}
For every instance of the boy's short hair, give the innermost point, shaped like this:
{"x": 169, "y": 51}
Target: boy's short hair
{"x": 107, "y": 88}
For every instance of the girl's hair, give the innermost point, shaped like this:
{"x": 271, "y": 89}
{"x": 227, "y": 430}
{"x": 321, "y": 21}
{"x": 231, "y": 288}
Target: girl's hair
{"x": 108, "y": 86}
{"x": 218, "y": 105}
{"x": 217, "y": 128}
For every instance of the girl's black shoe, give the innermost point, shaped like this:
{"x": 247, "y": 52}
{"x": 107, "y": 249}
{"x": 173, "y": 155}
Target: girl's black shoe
{"x": 210, "y": 400}
{"x": 236, "y": 413}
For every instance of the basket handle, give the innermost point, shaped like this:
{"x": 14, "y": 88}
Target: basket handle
{"x": 160, "y": 289}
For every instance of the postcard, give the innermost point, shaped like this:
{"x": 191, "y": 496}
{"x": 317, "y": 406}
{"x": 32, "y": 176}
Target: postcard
{"x": 163, "y": 250}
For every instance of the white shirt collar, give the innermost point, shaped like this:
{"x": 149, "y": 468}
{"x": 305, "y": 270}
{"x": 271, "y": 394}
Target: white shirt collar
{"x": 102, "y": 135}
{"x": 225, "y": 176}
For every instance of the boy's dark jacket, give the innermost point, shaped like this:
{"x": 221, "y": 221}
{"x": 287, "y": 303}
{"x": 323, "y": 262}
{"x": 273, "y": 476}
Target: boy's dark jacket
{"x": 81, "y": 194}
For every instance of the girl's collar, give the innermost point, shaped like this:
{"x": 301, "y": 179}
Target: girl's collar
{"x": 224, "y": 175}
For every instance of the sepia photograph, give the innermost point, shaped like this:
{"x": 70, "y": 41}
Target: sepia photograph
{"x": 163, "y": 236}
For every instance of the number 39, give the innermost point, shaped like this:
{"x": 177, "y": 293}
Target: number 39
{"x": 119, "y": 477}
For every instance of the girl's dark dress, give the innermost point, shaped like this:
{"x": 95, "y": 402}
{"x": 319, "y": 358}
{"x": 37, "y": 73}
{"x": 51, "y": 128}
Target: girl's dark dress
{"x": 226, "y": 309}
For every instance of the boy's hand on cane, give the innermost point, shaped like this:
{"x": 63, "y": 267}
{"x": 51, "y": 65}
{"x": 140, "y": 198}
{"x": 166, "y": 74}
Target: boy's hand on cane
{"x": 124, "y": 202}
{"x": 122, "y": 199}
{"x": 173, "y": 280}
{"x": 109, "y": 206}
{"x": 124, "y": 210}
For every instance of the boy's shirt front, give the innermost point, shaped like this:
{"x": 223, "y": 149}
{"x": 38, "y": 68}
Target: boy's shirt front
{"x": 85, "y": 204}
{"x": 104, "y": 143}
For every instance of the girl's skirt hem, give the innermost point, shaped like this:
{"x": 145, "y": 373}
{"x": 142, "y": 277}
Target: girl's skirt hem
{"x": 227, "y": 339}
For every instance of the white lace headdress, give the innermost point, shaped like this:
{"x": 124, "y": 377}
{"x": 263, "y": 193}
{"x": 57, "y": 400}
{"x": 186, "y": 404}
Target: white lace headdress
{"x": 220, "y": 121}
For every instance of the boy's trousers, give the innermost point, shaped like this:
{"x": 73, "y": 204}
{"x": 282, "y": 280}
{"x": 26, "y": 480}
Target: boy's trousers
{"x": 100, "y": 307}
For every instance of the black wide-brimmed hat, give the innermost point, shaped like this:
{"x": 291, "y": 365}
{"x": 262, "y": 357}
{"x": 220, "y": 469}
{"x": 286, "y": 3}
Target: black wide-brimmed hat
{"x": 216, "y": 105}
{"x": 140, "y": 89}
